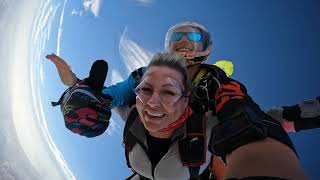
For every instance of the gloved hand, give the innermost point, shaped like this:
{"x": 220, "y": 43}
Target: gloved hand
{"x": 305, "y": 115}
{"x": 213, "y": 90}
{"x": 202, "y": 98}
{"x": 97, "y": 76}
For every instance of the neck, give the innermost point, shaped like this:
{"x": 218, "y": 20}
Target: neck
{"x": 193, "y": 71}
{"x": 162, "y": 135}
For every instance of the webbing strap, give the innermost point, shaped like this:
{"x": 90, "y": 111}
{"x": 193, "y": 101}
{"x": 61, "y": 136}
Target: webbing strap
{"x": 194, "y": 172}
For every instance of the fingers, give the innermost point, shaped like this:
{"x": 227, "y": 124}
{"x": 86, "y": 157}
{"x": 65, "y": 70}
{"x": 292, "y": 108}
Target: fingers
{"x": 58, "y": 61}
{"x": 52, "y": 56}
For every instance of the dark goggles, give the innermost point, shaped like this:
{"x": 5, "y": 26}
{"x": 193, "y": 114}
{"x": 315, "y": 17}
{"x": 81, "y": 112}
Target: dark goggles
{"x": 192, "y": 36}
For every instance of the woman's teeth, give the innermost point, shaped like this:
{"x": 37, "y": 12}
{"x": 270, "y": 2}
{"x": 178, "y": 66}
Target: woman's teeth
{"x": 155, "y": 114}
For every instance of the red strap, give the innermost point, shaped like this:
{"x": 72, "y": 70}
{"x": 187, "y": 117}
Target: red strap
{"x": 177, "y": 123}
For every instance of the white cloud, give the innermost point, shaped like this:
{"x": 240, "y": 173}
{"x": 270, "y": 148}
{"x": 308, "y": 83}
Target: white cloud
{"x": 41, "y": 74}
{"x": 145, "y": 2}
{"x": 134, "y": 56}
{"x": 93, "y": 6}
{"x": 74, "y": 12}
{"x": 27, "y": 111}
{"x": 60, "y": 30}
{"x": 116, "y": 76}
{"x": 36, "y": 77}
{"x": 114, "y": 127}
{"x": 44, "y": 18}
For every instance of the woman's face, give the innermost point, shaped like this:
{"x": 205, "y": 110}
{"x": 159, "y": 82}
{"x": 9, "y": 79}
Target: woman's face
{"x": 159, "y": 98}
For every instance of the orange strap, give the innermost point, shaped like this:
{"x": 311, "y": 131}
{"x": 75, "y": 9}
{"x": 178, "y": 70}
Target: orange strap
{"x": 227, "y": 92}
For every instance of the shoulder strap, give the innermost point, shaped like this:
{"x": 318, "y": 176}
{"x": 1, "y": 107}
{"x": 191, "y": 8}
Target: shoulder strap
{"x": 128, "y": 139}
{"x": 65, "y": 92}
{"x": 192, "y": 148}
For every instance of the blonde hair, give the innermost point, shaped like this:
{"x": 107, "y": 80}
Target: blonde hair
{"x": 173, "y": 61}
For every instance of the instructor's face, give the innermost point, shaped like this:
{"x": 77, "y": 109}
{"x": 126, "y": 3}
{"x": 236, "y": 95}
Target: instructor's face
{"x": 160, "y": 101}
{"x": 184, "y": 45}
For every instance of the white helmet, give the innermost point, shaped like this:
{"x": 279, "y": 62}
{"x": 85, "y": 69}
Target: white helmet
{"x": 194, "y": 57}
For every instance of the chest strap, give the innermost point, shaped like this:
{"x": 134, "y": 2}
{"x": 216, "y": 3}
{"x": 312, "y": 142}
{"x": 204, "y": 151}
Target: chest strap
{"x": 192, "y": 148}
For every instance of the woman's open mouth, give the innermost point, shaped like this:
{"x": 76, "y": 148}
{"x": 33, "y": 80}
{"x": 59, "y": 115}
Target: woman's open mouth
{"x": 154, "y": 116}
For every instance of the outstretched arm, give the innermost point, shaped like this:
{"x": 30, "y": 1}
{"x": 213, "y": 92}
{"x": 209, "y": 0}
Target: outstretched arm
{"x": 254, "y": 144}
{"x": 302, "y": 116}
{"x": 67, "y": 77}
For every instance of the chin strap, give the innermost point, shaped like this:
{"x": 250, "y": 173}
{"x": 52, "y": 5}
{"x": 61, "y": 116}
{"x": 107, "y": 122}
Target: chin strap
{"x": 194, "y": 58}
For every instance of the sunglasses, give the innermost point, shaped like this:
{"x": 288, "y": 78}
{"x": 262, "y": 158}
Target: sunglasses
{"x": 192, "y": 36}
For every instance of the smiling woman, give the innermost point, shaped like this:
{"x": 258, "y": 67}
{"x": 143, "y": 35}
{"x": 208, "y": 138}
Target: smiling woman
{"x": 173, "y": 141}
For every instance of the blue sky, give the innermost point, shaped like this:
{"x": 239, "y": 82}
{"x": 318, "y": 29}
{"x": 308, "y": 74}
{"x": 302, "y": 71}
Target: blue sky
{"x": 275, "y": 46}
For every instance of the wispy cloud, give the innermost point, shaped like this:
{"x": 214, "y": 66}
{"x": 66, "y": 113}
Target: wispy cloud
{"x": 114, "y": 127}
{"x": 145, "y": 2}
{"x": 93, "y": 6}
{"x": 134, "y": 56}
{"x": 37, "y": 77}
{"x": 27, "y": 111}
{"x": 60, "y": 30}
{"x": 76, "y": 12}
{"x": 116, "y": 76}
{"x": 41, "y": 32}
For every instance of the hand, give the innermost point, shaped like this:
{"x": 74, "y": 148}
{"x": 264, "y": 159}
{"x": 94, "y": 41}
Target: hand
{"x": 305, "y": 115}
{"x": 202, "y": 98}
{"x": 66, "y": 75}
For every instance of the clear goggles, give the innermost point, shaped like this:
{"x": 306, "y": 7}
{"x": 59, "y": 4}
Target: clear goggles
{"x": 170, "y": 92}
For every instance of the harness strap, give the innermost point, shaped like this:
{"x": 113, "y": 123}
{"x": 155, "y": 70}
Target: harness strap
{"x": 79, "y": 82}
{"x": 194, "y": 172}
{"x": 61, "y": 98}
{"x": 128, "y": 139}
{"x": 192, "y": 148}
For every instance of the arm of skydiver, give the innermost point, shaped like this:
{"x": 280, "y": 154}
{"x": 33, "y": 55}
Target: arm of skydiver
{"x": 253, "y": 143}
{"x": 67, "y": 77}
{"x": 302, "y": 116}
{"x": 123, "y": 92}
